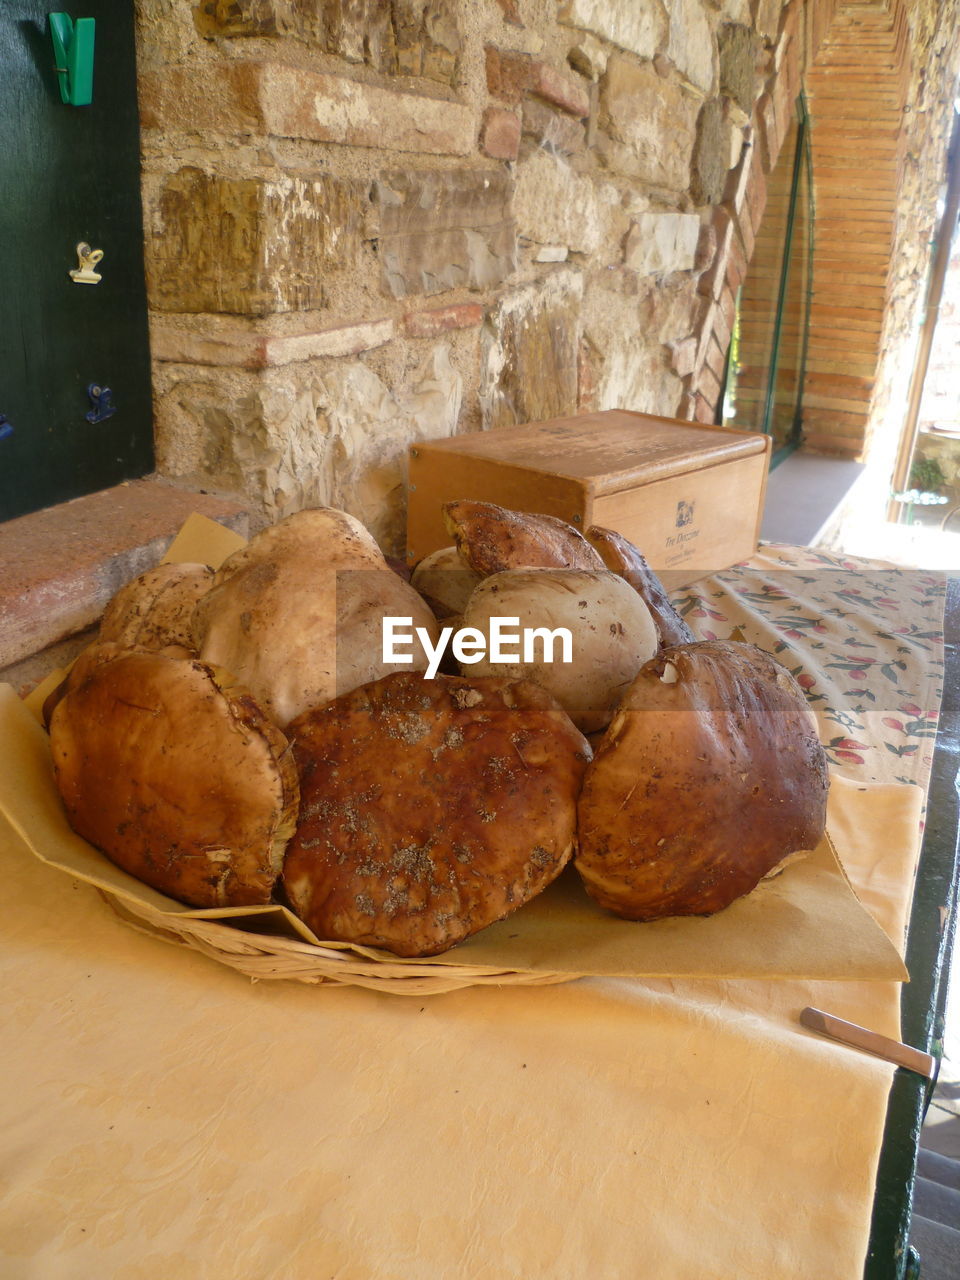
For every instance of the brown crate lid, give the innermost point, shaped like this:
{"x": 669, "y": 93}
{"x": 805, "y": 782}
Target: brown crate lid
{"x": 608, "y": 451}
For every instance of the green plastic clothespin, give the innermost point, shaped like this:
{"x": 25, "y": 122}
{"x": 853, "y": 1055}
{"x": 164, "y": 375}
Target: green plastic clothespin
{"x": 73, "y": 54}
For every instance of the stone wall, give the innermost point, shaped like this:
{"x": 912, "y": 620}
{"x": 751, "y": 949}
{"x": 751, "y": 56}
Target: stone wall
{"x": 372, "y": 222}
{"x": 939, "y": 422}
{"x": 930, "y": 94}
{"x": 940, "y": 406}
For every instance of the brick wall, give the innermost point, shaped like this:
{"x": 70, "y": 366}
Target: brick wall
{"x": 857, "y": 89}
{"x": 369, "y": 223}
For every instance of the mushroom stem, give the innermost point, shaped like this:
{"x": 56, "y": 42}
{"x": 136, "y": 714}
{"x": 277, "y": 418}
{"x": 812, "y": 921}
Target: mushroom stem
{"x": 623, "y": 558}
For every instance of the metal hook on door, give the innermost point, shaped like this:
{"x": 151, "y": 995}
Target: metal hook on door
{"x": 101, "y": 401}
{"x": 88, "y": 259}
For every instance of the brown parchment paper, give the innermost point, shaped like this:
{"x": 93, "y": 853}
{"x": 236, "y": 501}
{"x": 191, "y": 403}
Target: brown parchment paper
{"x": 805, "y": 922}
{"x": 203, "y": 541}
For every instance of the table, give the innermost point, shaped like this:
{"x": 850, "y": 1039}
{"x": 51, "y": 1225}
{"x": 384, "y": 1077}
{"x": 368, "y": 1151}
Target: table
{"x": 930, "y": 944}
{"x": 163, "y": 1116}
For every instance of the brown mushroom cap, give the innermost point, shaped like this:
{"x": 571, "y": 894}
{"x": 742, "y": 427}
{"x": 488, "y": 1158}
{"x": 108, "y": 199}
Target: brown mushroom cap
{"x": 81, "y": 667}
{"x": 297, "y": 614}
{"x": 491, "y": 538}
{"x": 709, "y": 776}
{"x": 430, "y": 809}
{"x": 623, "y": 558}
{"x": 155, "y": 608}
{"x": 177, "y": 776}
{"x": 612, "y": 635}
{"x": 336, "y": 538}
{"x": 445, "y": 582}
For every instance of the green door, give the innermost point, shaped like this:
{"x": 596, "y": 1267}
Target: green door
{"x": 70, "y": 175}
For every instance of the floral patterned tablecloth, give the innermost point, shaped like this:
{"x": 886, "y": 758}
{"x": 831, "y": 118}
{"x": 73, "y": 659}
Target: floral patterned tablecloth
{"x": 865, "y": 642}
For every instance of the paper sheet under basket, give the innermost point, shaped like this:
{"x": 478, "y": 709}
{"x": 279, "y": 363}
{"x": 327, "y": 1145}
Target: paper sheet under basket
{"x": 805, "y": 922}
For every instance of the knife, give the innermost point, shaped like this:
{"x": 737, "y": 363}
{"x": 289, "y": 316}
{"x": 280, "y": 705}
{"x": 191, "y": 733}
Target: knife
{"x": 903, "y": 1055}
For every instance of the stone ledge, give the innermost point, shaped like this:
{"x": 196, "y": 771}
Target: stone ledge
{"x": 59, "y": 567}
{"x": 248, "y": 348}
{"x": 272, "y": 98}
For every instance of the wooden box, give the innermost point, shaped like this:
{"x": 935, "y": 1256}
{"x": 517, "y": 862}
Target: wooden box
{"x": 689, "y": 496}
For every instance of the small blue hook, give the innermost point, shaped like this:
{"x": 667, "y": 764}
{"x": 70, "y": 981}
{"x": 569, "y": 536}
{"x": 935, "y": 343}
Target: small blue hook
{"x": 101, "y": 402}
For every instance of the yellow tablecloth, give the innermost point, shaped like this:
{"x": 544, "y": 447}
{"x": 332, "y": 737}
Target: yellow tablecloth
{"x": 164, "y": 1117}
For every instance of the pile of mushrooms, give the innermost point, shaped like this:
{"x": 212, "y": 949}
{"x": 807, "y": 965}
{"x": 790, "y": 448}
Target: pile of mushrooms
{"x": 709, "y": 775}
{"x": 706, "y": 773}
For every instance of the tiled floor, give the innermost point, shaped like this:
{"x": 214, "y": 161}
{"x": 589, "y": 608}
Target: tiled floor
{"x": 803, "y": 493}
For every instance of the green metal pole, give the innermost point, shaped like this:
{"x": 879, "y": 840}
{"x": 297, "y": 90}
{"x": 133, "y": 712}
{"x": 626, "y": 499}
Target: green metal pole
{"x": 784, "y": 272}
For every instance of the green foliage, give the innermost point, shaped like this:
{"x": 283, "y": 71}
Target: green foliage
{"x": 926, "y": 474}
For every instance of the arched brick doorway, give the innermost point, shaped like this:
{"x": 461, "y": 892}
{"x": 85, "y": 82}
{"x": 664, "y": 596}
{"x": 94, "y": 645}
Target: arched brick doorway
{"x": 857, "y": 70}
{"x": 857, "y": 93}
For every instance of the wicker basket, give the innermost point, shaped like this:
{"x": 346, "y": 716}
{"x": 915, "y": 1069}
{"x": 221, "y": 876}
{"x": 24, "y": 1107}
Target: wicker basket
{"x": 259, "y": 956}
